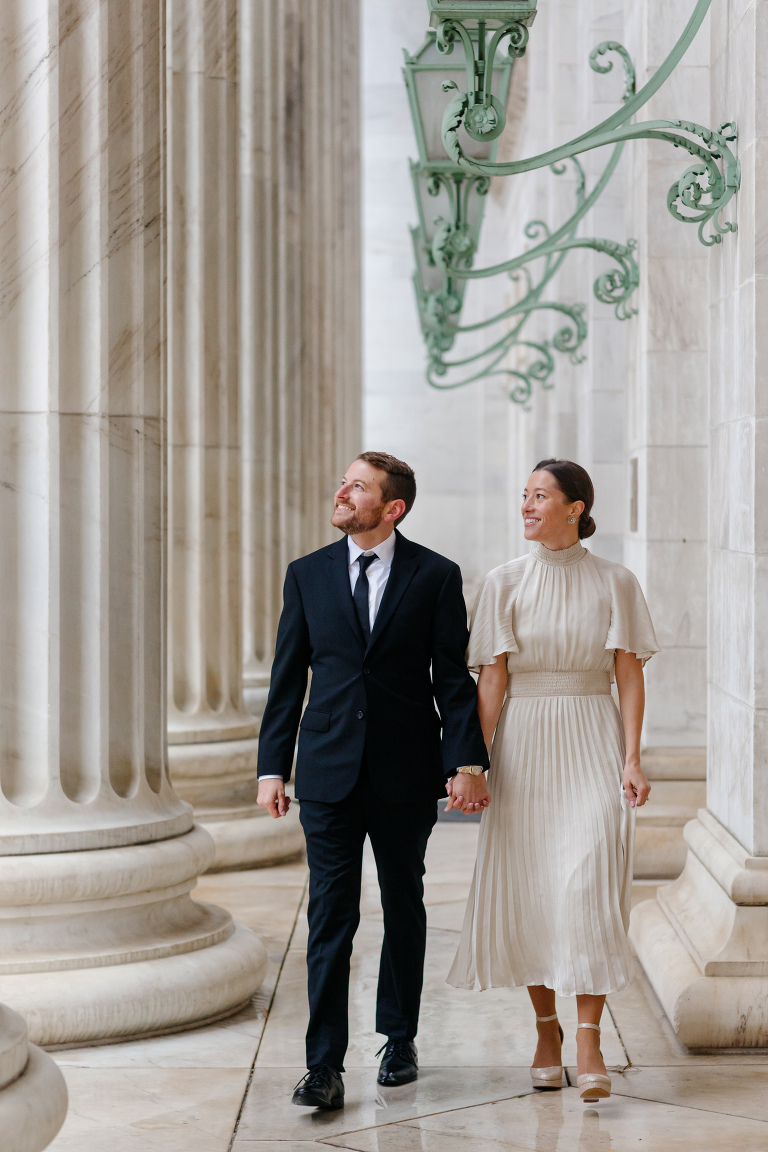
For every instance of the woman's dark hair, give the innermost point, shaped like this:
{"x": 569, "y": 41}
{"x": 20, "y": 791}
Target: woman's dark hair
{"x": 575, "y": 484}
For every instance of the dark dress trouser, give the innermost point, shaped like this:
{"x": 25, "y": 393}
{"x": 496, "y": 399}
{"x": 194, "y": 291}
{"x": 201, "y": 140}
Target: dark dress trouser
{"x": 335, "y": 835}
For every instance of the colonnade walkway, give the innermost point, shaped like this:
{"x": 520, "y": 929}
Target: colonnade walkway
{"x": 227, "y": 1087}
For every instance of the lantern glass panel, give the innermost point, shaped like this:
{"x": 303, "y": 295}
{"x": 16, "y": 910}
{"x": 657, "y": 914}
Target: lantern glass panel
{"x": 428, "y": 76}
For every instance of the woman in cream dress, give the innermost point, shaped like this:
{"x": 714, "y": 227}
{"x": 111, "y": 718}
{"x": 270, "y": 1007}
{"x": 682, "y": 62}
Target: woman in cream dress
{"x": 549, "y": 904}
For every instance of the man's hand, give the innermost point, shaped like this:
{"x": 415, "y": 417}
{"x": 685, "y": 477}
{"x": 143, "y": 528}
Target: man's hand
{"x": 467, "y": 793}
{"x": 272, "y": 797}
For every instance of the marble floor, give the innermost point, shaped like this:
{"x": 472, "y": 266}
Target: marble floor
{"x": 226, "y": 1088}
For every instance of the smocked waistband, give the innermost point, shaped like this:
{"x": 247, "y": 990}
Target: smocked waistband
{"x": 559, "y": 684}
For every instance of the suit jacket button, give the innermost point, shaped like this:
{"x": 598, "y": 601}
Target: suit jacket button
{"x": 366, "y": 671}
{"x": 361, "y": 715}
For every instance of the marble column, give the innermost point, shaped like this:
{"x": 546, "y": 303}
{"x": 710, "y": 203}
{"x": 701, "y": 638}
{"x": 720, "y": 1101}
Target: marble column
{"x": 300, "y": 343}
{"x": 212, "y": 739}
{"x": 100, "y": 938}
{"x": 704, "y": 941}
{"x": 33, "y": 1096}
{"x": 263, "y": 366}
{"x": 300, "y": 316}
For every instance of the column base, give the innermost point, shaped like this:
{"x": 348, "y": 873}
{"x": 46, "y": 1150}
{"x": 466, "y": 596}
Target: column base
{"x": 678, "y": 776}
{"x": 255, "y": 692}
{"x": 704, "y": 942}
{"x": 108, "y": 945}
{"x": 253, "y": 839}
{"x": 219, "y": 778}
{"x": 660, "y": 848}
{"x": 33, "y": 1095}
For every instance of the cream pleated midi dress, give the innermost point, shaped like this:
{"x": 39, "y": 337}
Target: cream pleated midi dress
{"x": 550, "y": 897}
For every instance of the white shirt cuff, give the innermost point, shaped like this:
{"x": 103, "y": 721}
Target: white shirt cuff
{"x": 271, "y": 778}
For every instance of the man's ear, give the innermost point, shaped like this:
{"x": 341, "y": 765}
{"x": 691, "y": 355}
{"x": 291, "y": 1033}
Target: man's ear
{"x": 395, "y": 510}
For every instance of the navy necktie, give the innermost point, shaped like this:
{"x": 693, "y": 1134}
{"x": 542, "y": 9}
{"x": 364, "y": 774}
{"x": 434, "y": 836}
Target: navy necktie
{"x": 361, "y": 595}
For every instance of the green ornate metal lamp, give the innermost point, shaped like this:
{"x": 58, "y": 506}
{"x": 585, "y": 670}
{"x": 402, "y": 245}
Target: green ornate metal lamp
{"x": 450, "y": 202}
{"x": 473, "y": 119}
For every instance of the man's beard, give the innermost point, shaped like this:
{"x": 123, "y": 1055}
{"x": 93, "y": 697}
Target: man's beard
{"x": 359, "y": 521}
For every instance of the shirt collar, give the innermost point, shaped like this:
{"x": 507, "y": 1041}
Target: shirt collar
{"x": 385, "y": 551}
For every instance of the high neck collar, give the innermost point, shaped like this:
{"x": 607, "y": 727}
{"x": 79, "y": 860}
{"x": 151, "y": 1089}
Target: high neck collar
{"x": 570, "y": 555}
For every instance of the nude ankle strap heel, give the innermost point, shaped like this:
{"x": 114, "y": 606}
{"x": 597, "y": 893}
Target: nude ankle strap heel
{"x": 593, "y": 1086}
{"x": 548, "y": 1078}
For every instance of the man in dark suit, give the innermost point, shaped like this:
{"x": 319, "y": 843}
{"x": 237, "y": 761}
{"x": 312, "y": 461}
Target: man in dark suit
{"x": 391, "y": 716}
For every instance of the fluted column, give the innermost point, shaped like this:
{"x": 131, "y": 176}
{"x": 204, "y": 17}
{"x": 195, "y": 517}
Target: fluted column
{"x": 704, "y": 941}
{"x": 264, "y": 365}
{"x": 301, "y": 340}
{"x": 213, "y": 118}
{"x": 98, "y": 936}
{"x": 33, "y": 1096}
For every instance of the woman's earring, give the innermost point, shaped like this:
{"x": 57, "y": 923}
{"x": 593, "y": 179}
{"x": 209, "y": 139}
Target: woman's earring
{"x": 571, "y": 519}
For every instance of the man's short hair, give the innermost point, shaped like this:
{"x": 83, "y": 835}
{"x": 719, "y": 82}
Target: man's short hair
{"x": 400, "y": 483}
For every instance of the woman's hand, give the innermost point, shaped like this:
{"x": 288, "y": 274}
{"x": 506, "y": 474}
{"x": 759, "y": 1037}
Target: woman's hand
{"x": 635, "y": 783}
{"x": 629, "y": 681}
{"x": 467, "y": 793}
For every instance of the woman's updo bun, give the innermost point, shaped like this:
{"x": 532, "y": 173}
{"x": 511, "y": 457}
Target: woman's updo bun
{"x": 575, "y": 484}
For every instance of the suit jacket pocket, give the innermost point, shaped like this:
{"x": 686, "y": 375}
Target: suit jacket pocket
{"x": 315, "y": 721}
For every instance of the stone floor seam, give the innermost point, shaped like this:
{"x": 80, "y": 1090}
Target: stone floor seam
{"x": 621, "y": 1038}
{"x": 269, "y": 1009}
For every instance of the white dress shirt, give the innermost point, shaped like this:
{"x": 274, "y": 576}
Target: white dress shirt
{"x": 378, "y": 574}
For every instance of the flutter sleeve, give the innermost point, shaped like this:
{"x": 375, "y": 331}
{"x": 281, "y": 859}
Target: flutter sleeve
{"x": 631, "y": 627}
{"x": 491, "y": 631}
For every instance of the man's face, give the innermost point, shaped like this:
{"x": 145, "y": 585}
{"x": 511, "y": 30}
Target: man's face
{"x": 358, "y": 503}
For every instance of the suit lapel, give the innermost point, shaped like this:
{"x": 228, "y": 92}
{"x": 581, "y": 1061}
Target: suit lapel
{"x": 338, "y": 574}
{"x": 404, "y": 565}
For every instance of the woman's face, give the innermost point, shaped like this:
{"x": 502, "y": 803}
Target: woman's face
{"x": 545, "y": 512}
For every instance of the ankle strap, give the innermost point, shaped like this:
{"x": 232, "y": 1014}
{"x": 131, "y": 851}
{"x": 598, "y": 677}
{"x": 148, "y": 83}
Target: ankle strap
{"x": 595, "y": 1027}
{"x": 546, "y": 1019}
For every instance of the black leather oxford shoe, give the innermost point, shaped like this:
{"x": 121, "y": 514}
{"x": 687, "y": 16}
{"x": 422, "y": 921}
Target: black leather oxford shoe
{"x": 322, "y": 1087}
{"x": 400, "y": 1063}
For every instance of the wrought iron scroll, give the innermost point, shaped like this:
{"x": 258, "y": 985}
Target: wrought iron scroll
{"x": 699, "y": 196}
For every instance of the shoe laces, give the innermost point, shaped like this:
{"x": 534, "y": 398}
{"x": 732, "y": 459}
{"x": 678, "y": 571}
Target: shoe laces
{"x": 323, "y": 1074}
{"x": 397, "y": 1047}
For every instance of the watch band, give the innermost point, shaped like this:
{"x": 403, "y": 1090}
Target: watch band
{"x": 471, "y": 769}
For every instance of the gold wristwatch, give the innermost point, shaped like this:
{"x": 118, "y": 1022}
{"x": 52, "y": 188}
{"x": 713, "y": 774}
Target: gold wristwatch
{"x": 471, "y": 770}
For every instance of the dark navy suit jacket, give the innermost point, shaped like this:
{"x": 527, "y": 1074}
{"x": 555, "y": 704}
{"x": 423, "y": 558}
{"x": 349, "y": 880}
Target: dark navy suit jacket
{"x": 405, "y": 700}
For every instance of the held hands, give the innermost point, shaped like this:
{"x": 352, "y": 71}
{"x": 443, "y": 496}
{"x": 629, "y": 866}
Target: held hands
{"x": 467, "y": 793}
{"x": 635, "y": 783}
{"x": 272, "y": 797}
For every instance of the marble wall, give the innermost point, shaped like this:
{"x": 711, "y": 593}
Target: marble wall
{"x": 667, "y": 433}
{"x": 455, "y": 441}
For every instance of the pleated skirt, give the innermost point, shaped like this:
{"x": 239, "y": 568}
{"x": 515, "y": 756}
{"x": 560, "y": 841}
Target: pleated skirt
{"x": 550, "y": 896}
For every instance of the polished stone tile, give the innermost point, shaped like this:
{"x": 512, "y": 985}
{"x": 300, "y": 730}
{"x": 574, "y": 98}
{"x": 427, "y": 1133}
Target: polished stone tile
{"x": 280, "y": 1146}
{"x": 264, "y": 899}
{"x": 559, "y": 1122}
{"x": 150, "y": 1110}
{"x": 228, "y": 1044}
{"x": 269, "y": 1115}
{"x": 446, "y": 914}
{"x": 741, "y": 1091}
